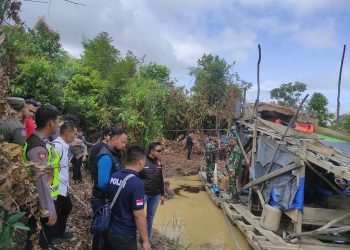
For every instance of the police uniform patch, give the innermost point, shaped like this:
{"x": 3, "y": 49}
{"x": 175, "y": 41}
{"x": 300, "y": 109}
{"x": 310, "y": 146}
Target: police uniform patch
{"x": 42, "y": 155}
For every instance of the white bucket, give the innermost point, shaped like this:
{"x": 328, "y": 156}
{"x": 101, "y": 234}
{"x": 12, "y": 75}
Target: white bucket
{"x": 270, "y": 218}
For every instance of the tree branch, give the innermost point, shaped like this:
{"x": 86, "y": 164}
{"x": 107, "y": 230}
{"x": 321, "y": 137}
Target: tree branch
{"x": 76, "y": 3}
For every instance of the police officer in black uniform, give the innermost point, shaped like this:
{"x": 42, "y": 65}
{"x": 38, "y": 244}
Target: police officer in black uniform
{"x": 108, "y": 162}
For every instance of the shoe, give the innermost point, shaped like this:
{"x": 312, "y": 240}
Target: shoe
{"x": 50, "y": 247}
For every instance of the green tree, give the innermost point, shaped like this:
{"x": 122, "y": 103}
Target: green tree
{"x": 37, "y": 77}
{"x": 288, "y": 94}
{"x": 156, "y": 72}
{"x": 177, "y": 110}
{"x": 140, "y": 109}
{"x": 212, "y": 77}
{"x": 217, "y": 89}
{"x": 345, "y": 122}
{"x": 36, "y": 60}
{"x": 99, "y": 54}
{"x": 82, "y": 96}
{"x": 317, "y": 107}
{"x": 45, "y": 41}
{"x": 122, "y": 71}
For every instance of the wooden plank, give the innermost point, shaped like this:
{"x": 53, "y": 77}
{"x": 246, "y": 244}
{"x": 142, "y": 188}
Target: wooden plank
{"x": 328, "y": 166}
{"x": 258, "y": 237}
{"x": 240, "y": 224}
{"x": 319, "y": 148}
{"x": 271, "y": 175}
{"x": 237, "y": 216}
{"x": 248, "y": 216}
{"x": 244, "y": 226}
{"x": 271, "y": 246}
{"x": 252, "y": 242}
{"x": 293, "y": 214}
{"x": 321, "y": 216}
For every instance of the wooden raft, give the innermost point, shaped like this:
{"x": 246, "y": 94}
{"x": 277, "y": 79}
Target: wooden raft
{"x": 249, "y": 224}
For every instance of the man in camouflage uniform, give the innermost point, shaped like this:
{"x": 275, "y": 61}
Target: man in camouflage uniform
{"x": 233, "y": 165}
{"x": 210, "y": 155}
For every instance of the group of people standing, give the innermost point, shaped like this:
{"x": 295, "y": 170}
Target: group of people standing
{"x": 233, "y": 162}
{"x": 54, "y": 143}
{"x": 145, "y": 186}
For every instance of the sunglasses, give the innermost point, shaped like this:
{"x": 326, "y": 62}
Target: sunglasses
{"x": 159, "y": 150}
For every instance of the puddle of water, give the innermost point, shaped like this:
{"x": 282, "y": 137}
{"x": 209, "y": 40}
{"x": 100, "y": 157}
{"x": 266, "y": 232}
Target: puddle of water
{"x": 195, "y": 219}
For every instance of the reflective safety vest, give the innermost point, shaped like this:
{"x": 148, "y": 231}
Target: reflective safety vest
{"x": 53, "y": 159}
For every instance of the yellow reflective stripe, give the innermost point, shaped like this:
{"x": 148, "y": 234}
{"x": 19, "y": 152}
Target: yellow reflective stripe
{"x": 56, "y": 165}
{"x": 25, "y": 159}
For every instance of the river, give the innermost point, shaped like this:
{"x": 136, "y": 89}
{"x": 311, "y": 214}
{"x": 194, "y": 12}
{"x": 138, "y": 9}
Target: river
{"x": 193, "y": 219}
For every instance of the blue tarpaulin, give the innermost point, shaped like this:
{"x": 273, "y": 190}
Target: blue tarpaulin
{"x": 282, "y": 191}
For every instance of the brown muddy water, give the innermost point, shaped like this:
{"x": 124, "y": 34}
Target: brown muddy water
{"x": 193, "y": 219}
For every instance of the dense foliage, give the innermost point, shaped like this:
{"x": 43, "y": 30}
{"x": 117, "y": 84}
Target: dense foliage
{"x": 288, "y": 94}
{"x": 105, "y": 88}
{"x": 318, "y": 109}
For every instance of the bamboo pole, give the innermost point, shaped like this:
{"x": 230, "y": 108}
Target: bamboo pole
{"x": 339, "y": 83}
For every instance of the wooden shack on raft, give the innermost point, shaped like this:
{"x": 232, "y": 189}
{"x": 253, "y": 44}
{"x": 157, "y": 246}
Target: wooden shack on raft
{"x": 298, "y": 192}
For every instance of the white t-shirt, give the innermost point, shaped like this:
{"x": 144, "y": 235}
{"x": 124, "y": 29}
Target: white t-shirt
{"x": 63, "y": 150}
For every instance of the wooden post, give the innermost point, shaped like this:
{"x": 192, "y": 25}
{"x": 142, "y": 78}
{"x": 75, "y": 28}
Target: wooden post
{"x": 244, "y": 100}
{"x": 299, "y": 223}
{"x": 256, "y": 110}
{"x": 258, "y": 79}
{"x": 252, "y": 159}
{"x": 339, "y": 83}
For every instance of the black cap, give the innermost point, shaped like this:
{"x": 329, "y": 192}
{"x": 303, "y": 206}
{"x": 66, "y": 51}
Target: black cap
{"x": 16, "y": 103}
{"x": 34, "y": 102}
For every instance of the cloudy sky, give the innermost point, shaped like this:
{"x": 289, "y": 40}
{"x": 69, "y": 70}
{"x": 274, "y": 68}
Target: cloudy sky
{"x": 301, "y": 40}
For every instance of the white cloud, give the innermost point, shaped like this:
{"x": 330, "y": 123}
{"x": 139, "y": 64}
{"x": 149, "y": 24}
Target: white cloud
{"x": 298, "y": 8}
{"x": 177, "y": 33}
{"x": 322, "y": 35}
